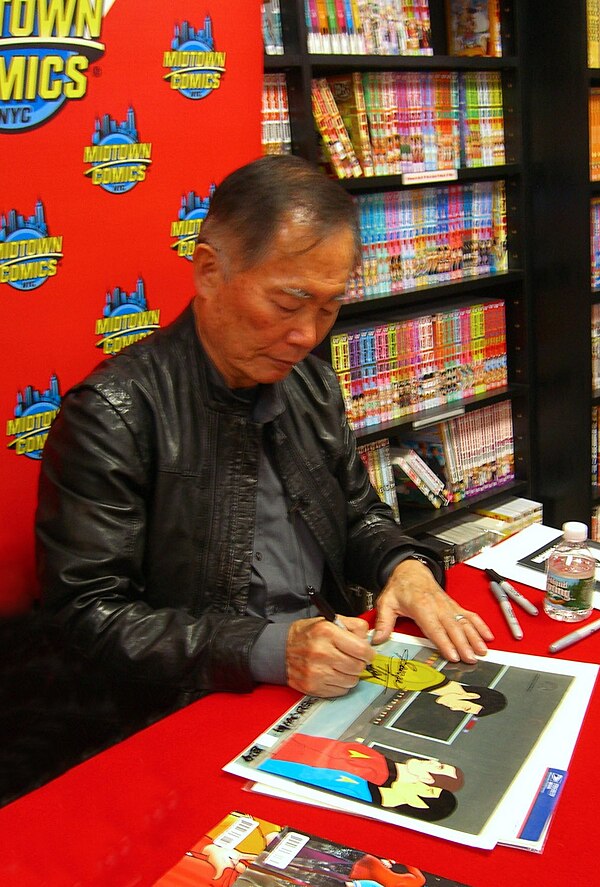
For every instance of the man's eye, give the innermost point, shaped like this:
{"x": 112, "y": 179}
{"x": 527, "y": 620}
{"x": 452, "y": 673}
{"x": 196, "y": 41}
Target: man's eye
{"x": 287, "y": 309}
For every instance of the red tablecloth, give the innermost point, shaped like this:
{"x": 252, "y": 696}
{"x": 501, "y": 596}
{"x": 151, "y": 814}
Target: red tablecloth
{"x": 126, "y": 815}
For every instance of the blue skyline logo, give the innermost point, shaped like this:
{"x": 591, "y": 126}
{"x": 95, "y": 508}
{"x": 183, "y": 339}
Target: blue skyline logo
{"x": 118, "y": 159}
{"x": 126, "y": 319}
{"x": 192, "y": 212}
{"x": 28, "y": 254}
{"x": 195, "y": 67}
{"x": 45, "y": 51}
{"x": 34, "y": 413}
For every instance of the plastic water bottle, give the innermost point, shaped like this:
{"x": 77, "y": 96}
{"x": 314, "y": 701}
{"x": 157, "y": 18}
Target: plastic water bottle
{"x": 570, "y": 576}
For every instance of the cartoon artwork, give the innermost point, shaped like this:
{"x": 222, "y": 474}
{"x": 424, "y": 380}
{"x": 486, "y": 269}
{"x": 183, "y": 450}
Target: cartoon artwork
{"x": 422, "y": 742}
{"x": 418, "y": 787}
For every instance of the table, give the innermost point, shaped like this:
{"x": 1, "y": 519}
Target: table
{"x": 125, "y": 816}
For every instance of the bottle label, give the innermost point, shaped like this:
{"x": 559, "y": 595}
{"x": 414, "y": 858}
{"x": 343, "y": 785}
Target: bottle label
{"x": 572, "y": 592}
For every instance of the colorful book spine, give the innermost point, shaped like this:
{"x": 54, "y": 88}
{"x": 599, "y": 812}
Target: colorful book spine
{"x": 271, "y": 25}
{"x": 593, "y": 33}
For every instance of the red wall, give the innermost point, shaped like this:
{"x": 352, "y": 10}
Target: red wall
{"x": 53, "y": 292}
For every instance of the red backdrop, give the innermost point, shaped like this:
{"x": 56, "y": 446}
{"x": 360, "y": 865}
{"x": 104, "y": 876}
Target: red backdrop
{"x": 115, "y": 122}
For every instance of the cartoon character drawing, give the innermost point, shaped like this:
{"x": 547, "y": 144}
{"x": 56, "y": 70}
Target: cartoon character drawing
{"x": 418, "y": 787}
{"x": 409, "y": 674}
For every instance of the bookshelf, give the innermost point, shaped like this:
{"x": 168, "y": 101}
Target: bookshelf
{"x": 510, "y": 285}
{"x": 558, "y": 84}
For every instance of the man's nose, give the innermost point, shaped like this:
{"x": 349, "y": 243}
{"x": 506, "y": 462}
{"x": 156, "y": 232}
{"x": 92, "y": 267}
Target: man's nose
{"x": 304, "y": 332}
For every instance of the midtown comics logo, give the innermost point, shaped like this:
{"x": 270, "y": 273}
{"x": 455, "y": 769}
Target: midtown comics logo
{"x": 126, "y": 319}
{"x": 45, "y": 49}
{"x": 195, "y": 67}
{"x": 185, "y": 230}
{"x": 118, "y": 159}
{"x": 33, "y": 415}
{"x": 28, "y": 254}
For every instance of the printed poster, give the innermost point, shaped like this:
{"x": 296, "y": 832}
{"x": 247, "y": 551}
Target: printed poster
{"x": 454, "y": 750}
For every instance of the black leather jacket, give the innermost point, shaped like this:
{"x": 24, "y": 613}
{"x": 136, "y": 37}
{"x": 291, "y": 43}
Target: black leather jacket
{"x": 146, "y": 512}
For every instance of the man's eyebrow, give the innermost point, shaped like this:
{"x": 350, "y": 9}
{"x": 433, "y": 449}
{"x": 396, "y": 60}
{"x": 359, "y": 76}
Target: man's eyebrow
{"x": 299, "y": 293}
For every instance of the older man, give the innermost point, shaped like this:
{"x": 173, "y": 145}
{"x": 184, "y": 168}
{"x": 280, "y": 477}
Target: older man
{"x": 199, "y": 486}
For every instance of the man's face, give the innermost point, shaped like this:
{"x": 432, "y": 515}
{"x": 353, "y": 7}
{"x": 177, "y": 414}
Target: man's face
{"x": 425, "y": 769}
{"x": 257, "y": 323}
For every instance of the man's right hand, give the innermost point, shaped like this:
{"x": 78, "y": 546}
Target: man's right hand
{"x": 324, "y": 660}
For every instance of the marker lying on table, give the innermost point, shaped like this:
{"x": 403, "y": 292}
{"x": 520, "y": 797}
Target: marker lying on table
{"x": 324, "y": 607}
{"x": 578, "y": 635}
{"x": 509, "y": 613}
{"x": 513, "y": 594}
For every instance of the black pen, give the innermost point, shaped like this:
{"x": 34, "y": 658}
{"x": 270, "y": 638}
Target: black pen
{"x": 324, "y": 607}
{"x": 513, "y": 594}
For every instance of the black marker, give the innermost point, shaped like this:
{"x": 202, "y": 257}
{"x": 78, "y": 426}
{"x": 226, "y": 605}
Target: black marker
{"x": 324, "y": 607}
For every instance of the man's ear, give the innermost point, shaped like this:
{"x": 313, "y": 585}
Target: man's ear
{"x": 208, "y": 275}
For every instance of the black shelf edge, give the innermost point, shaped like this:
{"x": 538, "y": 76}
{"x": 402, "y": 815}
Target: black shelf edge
{"x": 410, "y": 62}
{"x": 438, "y": 413}
{"x": 470, "y": 174}
{"x": 434, "y": 519}
{"x": 434, "y": 292}
{"x": 286, "y": 60}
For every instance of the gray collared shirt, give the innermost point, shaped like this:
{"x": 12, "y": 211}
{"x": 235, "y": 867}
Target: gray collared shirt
{"x": 286, "y": 559}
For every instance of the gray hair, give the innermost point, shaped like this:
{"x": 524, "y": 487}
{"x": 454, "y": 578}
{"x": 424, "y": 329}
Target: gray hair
{"x": 251, "y": 204}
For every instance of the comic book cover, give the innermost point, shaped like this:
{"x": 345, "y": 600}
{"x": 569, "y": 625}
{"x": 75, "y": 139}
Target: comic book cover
{"x": 298, "y": 858}
{"x": 222, "y": 853}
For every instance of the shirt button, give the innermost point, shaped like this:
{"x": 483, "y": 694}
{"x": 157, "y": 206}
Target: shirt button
{"x": 258, "y": 556}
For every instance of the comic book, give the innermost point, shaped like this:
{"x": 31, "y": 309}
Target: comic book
{"x": 222, "y": 853}
{"x": 256, "y": 853}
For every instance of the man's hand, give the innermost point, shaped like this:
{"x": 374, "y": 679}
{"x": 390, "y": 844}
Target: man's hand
{"x": 324, "y": 660}
{"x": 412, "y": 591}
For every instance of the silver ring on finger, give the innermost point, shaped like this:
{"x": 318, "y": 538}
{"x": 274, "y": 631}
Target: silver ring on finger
{"x": 458, "y": 617}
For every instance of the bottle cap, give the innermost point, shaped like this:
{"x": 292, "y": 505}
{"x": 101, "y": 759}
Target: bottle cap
{"x": 574, "y": 531}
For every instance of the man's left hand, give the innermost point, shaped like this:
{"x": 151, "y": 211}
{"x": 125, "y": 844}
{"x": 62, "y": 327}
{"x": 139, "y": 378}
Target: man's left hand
{"x": 412, "y": 591}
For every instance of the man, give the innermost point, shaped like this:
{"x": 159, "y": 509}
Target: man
{"x": 196, "y": 487}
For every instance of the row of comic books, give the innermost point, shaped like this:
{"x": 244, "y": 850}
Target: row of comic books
{"x": 400, "y": 122}
{"x": 401, "y": 27}
{"x": 471, "y": 454}
{"x": 428, "y": 236}
{"x": 368, "y": 27}
{"x": 254, "y": 852}
{"x": 389, "y": 370}
{"x": 445, "y": 462}
{"x": 275, "y": 118}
